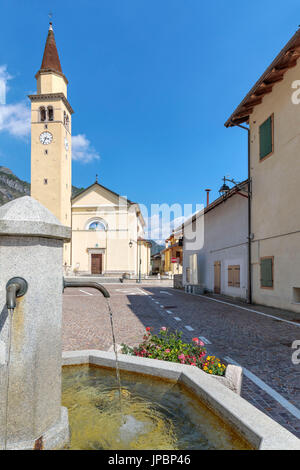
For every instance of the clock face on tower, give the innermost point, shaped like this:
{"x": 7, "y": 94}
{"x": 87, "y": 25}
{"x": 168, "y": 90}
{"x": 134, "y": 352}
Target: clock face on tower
{"x": 46, "y": 138}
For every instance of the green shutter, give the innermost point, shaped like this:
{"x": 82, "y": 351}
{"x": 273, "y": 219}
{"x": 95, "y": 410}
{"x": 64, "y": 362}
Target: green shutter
{"x": 265, "y": 138}
{"x": 266, "y": 272}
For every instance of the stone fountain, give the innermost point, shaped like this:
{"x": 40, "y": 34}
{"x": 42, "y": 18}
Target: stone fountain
{"x": 31, "y": 247}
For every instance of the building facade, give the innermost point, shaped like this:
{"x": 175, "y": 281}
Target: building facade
{"x": 107, "y": 229}
{"x": 173, "y": 254}
{"x": 107, "y": 234}
{"x": 272, "y": 111}
{"x": 215, "y": 248}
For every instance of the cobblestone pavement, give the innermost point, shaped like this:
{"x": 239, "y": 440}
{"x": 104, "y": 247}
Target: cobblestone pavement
{"x": 259, "y": 343}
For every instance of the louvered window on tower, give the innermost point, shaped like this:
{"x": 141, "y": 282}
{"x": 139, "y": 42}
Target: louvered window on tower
{"x": 42, "y": 114}
{"x": 50, "y": 113}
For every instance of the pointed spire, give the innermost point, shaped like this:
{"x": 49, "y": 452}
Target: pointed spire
{"x": 50, "y": 57}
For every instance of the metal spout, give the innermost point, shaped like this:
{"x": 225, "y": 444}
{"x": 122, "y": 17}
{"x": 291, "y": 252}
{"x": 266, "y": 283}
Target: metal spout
{"x": 94, "y": 285}
{"x": 16, "y": 287}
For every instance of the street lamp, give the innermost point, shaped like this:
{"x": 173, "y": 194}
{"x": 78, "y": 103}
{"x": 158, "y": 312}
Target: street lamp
{"x": 224, "y": 188}
{"x": 245, "y": 186}
{"x": 139, "y": 280}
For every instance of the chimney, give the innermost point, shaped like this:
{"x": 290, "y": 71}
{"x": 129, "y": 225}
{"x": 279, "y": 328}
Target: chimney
{"x": 207, "y": 196}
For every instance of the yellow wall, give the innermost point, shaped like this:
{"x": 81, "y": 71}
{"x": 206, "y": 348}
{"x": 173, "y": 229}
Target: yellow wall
{"x": 170, "y": 252}
{"x": 51, "y": 82}
{"x": 55, "y": 166}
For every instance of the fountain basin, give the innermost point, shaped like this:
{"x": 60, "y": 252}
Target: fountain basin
{"x": 155, "y": 414}
{"x": 255, "y": 429}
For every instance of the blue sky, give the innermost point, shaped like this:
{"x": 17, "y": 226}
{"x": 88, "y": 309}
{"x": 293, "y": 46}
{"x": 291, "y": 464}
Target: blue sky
{"x": 151, "y": 83}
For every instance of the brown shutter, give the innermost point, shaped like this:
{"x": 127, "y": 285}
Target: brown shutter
{"x": 236, "y": 276}
{"x": 230, "y": 275}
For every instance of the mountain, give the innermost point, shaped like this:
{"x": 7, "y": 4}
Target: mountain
{"x": 12, "y": 187}
{"x": 156, "y": 248}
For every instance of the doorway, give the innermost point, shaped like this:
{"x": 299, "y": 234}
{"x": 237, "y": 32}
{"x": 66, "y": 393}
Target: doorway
{"x": 96, "y": 262}
{"x": 217, "y": 277}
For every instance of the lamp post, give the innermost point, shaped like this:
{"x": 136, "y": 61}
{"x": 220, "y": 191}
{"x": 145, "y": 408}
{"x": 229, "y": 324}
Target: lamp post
{"x": 139, "y": 280}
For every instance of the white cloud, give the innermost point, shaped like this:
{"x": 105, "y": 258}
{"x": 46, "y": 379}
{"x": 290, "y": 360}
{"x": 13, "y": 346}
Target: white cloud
{"x": 82, "y": 151}
{"x": 15, "y": 119}
{"x": 4, "y": 77}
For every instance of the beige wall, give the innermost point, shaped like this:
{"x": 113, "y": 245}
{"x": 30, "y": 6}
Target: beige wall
{"x": 275, "y": 202}
{"x": 51, "y": 82}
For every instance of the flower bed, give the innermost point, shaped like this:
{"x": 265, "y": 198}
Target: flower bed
{"x": 168, "y": 346}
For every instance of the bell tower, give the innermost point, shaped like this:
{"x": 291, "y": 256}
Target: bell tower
{"x": 51, "y": 156}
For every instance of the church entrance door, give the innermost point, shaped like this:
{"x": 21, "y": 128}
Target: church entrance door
{"x": 96, "y": 263}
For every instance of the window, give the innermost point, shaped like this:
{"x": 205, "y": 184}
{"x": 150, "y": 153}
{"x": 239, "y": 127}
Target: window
{"x": 296, "y": 295}
{"x": 96, "y": 225}
{"x": 66, "y": 120}
{"x": 266, "y": 138}
{"x": 234, "y": 276}
{"x": 45, "y": 181}
{"x": 267, "y": 272}
{"x": 42, "y": 114}
{"x": 46, "y": 152}
{"x": 188, "y": 275}
{"x": 50, "y": 113}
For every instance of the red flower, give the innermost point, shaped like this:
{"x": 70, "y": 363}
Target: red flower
{"x": 148, "y": 328}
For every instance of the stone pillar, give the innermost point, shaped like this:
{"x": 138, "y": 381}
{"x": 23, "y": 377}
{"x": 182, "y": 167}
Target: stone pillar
{"x": 31, "y": 246}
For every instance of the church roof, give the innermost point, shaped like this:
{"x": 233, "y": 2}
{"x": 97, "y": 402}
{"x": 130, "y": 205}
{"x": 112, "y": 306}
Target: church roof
{"x": 51, "y": 62}
{"x": 100, "y": 186}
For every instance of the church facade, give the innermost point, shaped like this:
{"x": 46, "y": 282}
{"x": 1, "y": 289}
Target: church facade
{"x": 107, "y": 229}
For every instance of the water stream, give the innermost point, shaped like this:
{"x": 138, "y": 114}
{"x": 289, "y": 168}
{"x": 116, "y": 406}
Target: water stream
{"x": 129, "y": 425}
{"x": 116, "y": 354}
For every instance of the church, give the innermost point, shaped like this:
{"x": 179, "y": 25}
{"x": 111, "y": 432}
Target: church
{"x": 107, "y": 229}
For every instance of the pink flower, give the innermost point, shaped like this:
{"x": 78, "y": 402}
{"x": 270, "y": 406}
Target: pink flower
{"x": 193, "y": 364}
{"x": 201, "y": 343}
{"x": 181, "y": 357}
{"x": 167, "y": 350}
{"x": 163, "y": 328}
